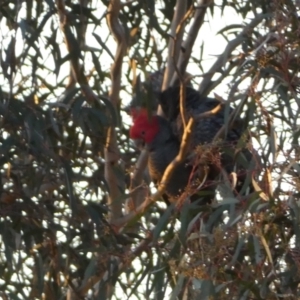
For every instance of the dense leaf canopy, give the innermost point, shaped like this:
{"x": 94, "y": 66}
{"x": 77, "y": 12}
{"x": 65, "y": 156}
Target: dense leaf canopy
{"x": 78, "y": 220}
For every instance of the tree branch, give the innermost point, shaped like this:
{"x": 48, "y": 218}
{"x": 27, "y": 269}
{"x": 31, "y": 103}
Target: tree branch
{"x": 137, "y": 192}
{"x": 184, "y": 146}
{"x": 222, "y": 60}
{"x": 179, "y": 14}
{"x": 188, "y": 44}
{"x": 111, "y": 152}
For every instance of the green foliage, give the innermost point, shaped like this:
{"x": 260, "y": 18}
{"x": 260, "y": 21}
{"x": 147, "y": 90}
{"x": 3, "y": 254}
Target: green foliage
{"x": 57, "y": 240}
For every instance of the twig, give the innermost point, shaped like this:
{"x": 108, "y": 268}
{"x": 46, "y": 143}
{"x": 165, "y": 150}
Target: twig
{"x": 208, "y": 114}
{"x": 182, "y": 104}
{"x": 184, "y": 146}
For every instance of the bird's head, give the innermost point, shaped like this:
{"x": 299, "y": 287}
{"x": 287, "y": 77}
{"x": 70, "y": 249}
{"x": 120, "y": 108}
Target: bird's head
{"x": 144, "y": 127}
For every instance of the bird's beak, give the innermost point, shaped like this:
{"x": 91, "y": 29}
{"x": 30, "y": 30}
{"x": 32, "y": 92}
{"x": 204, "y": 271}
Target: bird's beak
{"x": 139, "y": 143}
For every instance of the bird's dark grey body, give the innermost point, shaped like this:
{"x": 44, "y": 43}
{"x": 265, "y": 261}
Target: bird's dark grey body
{"x": 166, "y": 143}
{"x": 205, "y": 128}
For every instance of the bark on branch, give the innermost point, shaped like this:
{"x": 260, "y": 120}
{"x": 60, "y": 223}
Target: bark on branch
{"x": 174, "y": 47}
{"x": 111, "y": 152}
{"x": 188, "y": 44}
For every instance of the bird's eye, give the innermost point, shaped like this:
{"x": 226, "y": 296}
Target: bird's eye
{"x": 142, "y": 132}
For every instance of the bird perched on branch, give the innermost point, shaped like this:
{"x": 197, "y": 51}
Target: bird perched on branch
{"x": 206, "y": 158}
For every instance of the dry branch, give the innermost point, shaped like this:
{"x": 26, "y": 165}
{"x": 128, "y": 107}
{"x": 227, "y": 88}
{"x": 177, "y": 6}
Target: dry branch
{"x": 182, "y": 105}
{"x": 184, "y": 146}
